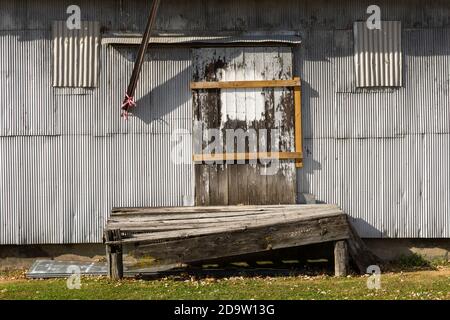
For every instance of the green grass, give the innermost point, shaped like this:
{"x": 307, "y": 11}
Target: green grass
{"x": 410, "y": 285}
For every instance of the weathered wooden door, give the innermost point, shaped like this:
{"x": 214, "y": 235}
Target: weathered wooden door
{"x": 265, "y": 115}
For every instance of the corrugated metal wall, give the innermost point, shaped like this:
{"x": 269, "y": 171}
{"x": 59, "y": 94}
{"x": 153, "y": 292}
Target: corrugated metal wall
{"x": 381, "y": 154}
{"x": 67, "y": 157}
{"x": 26, "y": 56}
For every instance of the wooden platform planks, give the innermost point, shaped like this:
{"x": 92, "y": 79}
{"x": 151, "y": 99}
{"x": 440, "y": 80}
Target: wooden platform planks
{"x": 194, "y": 234}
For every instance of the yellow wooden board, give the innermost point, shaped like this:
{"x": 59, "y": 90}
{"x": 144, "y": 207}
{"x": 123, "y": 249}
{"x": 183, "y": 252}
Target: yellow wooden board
{"x": 247, "y": 156}
{"x": 245, "y": 84}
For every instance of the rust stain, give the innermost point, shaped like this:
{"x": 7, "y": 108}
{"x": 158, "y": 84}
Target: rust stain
{"x": 211, "y": 69}
{"x": 214, "y": 108}
{"x": 286, "y": 107}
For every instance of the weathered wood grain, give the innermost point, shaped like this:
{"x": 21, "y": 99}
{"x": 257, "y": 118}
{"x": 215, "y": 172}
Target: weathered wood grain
{"x": 235, "y": 227}
{"x": 233, "y": 184}
{"x": 172, "y": 236}
{"x": 114, "y": 256}
{"x": 213, "y": 182}
{"x": 298, "y": 123}
{"x": 230, "y": 106}
{"x": 202, "y": 190}
{"x": 153, "y": 227}
{"x": 216, "y": 217}
{"x": 264, "y": 238}
{"x": 245, "y": 84}
{"x": 250, "y": 214}
{"x": 210, "y": 211}
{"x": 222, "y": 184}
{"x": 341, "y": 258}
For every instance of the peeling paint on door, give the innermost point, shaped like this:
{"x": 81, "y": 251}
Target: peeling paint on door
{"x": 264, "y": 110}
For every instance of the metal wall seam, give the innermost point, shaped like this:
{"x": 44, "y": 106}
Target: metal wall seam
{"x": 25, "y": 86}
{"x": 316, "y": 64}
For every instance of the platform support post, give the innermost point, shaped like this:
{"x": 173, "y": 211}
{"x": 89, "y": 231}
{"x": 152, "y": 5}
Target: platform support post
{"x": 114, "y": 257}
{"x": 341, "y": 258}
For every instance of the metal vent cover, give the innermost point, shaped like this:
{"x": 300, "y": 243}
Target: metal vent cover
{"x": 75, "y": 54}
{"x": 378, "y": 55}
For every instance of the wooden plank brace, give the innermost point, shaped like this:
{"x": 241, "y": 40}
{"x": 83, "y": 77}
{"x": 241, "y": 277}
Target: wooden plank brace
{"x": 298, "y": 122}
{"x": 341, "y": 258}
{"x": 114, "y": 254}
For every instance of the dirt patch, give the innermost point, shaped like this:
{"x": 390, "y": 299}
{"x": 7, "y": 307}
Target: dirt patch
{"x": 13, "y": 276}
{"x": 440, "y": 271}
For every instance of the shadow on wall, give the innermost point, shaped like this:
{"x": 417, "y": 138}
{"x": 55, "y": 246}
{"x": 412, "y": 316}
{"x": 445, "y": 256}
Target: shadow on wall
{"x": 363, "y": 227}
{"x": 304, "y": 175}
{"x": 156, "y": 103}
{"x": 312, "y": 166}
{"x": 173, "y": 88}
{"x": 163, "y": 88}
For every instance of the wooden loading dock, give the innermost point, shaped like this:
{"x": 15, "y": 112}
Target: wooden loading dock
{"x": 184, "y": 235}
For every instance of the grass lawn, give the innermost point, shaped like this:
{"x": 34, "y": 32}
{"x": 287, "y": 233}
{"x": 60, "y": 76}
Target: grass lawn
{"x": 424, "y": 284}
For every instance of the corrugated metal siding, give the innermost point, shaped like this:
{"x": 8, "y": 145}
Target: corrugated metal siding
{"x": 163, "y": 95}
{"x": 426, "y": 96}
{"x": 378, "y": 55}
{"x": 369, "y": 115}
{"x": 376, "y": 152}
{"x": 61, "y": 188}
{"x": 28, "y": 107}
{"x": 344, "y": 74}
{"x": 315, "y": 63}
{"x": 391, "y": 187}
{"x": 334, "y": 108}
{"x": 75, "y": 54}
{"x": 84, "y": 158}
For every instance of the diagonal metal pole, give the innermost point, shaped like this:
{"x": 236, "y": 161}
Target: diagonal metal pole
{"x": 128, "y": 101}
